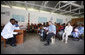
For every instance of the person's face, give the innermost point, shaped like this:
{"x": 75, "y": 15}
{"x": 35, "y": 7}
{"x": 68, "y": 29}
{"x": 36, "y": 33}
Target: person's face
{"x": 68, "y": 24}
{"x": 13, "y": 22}
{"x": 49, "y": 23}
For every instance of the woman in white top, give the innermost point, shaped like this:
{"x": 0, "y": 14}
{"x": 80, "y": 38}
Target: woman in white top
{"x": 67, "y": 31}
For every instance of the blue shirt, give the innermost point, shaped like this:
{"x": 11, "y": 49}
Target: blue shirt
{"x": 81, "y": 30}
{"x": 75, "y": 35}
{"x": 16, "y": 25}
{"x": 52, "y": 28}
{"x": 41, "y": 32}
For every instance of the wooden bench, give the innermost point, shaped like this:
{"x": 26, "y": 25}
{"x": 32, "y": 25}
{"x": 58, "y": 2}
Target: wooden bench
{"x": 2, "y": 39}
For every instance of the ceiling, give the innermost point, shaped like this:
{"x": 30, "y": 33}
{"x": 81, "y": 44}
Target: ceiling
{"x": 74, "y": 8}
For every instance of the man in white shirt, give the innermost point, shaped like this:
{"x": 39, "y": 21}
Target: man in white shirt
{"x": 67, "y": 31}
{"x": 8, "y": 32}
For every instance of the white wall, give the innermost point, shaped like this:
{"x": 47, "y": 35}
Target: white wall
{"x": 33, "y": 16}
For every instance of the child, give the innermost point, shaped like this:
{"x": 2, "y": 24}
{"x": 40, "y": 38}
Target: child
{"x": 75, "y": 34}
{"x": 41, "y": 33}
{"x": 16, "y": 26}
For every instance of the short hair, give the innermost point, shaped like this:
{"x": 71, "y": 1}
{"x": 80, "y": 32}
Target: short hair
{"x": 69, "y": 22}
{"x": 16, "y": 21}
{"x": 12, "y": 19}
{"x": 50, "y": 22}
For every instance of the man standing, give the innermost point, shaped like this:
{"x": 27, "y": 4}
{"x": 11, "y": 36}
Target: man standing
{"x": 51, "y": 32}
{"x": 8, "y": 32}
{"x": 67, "y": 31}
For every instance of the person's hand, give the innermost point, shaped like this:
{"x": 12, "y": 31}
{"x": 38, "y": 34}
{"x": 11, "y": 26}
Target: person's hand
{"x": 47, "y": 33}
{"x": 21, "y": 26}
{"x": 19, "y": 33}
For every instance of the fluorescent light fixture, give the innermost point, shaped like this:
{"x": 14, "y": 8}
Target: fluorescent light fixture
{"x": 53, "y": 13}
{"x": 44, "y": 11}
{"x": 31, "y": 9}
{"x": 76, "y": 5}
{"x": 68, "y": 1}
{"x": 64, "y": 1}
{"x": 5, "y": 6}
{"x": 18, "y": 7}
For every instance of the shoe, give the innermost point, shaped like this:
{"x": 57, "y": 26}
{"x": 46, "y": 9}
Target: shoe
{"x": 7, "y": 43}
{"x": 65, "y": 42}
{"x": 13, "y": 45}
{"x": 46, "y": 44}
{"x": 42, "y": 40}
{"x": 76, "y": 39}
{"x": 62, "y": 40}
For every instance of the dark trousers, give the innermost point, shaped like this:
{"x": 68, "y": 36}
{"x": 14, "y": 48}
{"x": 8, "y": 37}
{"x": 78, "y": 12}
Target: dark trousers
{"x": 11, "y": 40}
{"x": 44, "y": 35}
{"x": 48, "y": 38}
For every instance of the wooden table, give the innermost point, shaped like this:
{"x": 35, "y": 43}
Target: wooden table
{"x": 19, "y": 38}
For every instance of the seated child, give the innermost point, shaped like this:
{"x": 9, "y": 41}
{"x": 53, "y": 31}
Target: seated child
{"x": 41, "y": 33}
{"x": 16, "y": 26}
{"x": 75, "y": 34}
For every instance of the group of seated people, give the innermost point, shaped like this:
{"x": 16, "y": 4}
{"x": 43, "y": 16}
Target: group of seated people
{"x": 46, "y": 31}
{"x": 33, "y": 27}
{"x": 62, "y": 31}
{"x": 78, "y": 32}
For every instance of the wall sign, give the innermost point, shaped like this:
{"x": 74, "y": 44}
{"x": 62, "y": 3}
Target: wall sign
{"x": 59, "y": 20}
{"x": 19, "y": 18}
{"x": 42, "y": 19}
{"x": 7, "y": 13}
